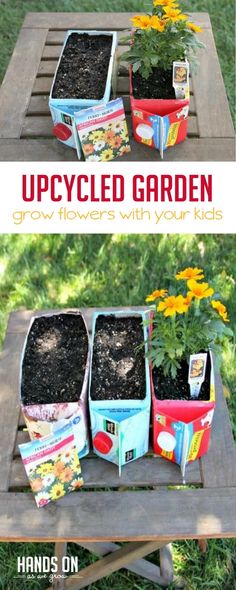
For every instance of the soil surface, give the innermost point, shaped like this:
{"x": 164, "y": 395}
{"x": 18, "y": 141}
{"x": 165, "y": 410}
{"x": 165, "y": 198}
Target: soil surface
{"x": 158, "y": 85}
{"x": 167, "y": 388}
{"x": 82, "y": 72}
{"x": 55, "y": 360}
{"x": 118, "y": 369}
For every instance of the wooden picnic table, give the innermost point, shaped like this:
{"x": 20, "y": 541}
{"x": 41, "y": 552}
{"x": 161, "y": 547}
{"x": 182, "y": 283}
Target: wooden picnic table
{"x": 145, "y": 506}
{"x": 25, "y": 121}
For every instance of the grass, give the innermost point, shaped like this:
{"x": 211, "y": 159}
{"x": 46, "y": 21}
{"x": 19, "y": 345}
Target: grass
{"x": 52, "y": 271}
{"x": 12, "y": 13}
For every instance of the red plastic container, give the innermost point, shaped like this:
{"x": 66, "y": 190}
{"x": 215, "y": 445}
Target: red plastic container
{"x": 175, "y": 109}
{"x": 172, "y": 419}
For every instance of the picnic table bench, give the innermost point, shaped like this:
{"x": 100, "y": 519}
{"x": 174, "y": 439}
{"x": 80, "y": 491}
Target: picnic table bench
{"x": 147, "y": 506}
{"x": 25, "y": 121}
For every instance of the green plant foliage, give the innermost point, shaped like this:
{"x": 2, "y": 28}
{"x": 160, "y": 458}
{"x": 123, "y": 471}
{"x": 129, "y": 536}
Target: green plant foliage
{"x": 159, "y": 39}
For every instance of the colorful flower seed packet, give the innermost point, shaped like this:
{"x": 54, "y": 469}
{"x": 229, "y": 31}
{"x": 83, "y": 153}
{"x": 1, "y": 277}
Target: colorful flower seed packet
{"x": 52, "y": 465}
{"x": 102, "y": 132}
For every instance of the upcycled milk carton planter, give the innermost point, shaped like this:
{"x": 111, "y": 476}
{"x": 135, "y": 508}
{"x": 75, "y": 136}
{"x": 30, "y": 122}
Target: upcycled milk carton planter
{"x": 161, "y": 44}
{"x": 119, "y": 397}
{"x": 54, "y": 376}
{"x": 182, "y": 428}
{"x": 182, "y": 381}
{"x": 83, "y": 78}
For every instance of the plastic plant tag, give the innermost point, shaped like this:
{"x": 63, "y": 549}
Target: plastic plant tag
{"x": 102, "y": 131}
{"x": 196, "y": 374}
{"x": 181, "y": 79}
{"x": 52, "y": 465}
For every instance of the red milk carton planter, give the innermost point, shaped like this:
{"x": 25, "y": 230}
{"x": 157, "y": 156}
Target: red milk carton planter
{"x": 53, "y": 383}
{"x": 159, "y": 123}
{"x": 182, "y": 429}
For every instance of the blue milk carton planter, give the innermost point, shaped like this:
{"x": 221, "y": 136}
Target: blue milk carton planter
{"x": 120, "y": 428}
{"x": 63, "y": 109}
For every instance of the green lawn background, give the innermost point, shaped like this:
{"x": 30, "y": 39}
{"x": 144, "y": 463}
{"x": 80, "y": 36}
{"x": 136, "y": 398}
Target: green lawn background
{"x": 51, "y": 271}
{"x": 222, "y": 13}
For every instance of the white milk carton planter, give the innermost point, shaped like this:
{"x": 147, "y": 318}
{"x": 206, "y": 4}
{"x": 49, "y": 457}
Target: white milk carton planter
{"x": 120, "y": 428}
{"x": 63, "y": 109}
{"x": 45, "y": 419}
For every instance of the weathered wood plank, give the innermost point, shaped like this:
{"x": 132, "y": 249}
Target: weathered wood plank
{"x": 110, "y": 564}
{"x": 9, "y": 405}
{"x": 191, "y": 150}
{"x": 60, "y": 552}
{"x": 214, "y": 116}
{"x": 43, "y": 126}
{"x": 166, "y": 563}
{"x": 92, "y": 20}
{"x": 97, "y": 473}
{"x": 20, "y": 77}
{"x": 141, "y": 567}
{"x": 121, "y": 516}
{"x": 218, "y": 466}
{"x": 39, "y": 104}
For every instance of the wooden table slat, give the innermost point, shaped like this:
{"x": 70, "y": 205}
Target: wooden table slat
{"x": 98, "y": 473}
{"x": 191, "y": 150}
{"x": 121, "y": 516}
{"x": 92, "y": 20}
{"x": 214, "y": 116}
{"x": 17, "y": 85}
{"x": 9, "y": 406}
{"x": 219, "y": 464}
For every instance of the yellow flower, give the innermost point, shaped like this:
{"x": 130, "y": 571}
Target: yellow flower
{"x": 157, "y": 24}
{"x": 75, "y": 465}
{"x": 170, "y": 3}
{"x": 220, "y": 307}
{"x": 173, "y": 14}
{"x": 199, "y": 290}
{"x": 96, "y": 135}
{"x": 194, "y": 28}
{"x": 141, "y": 22}
{"x": 57, "y": 491}
{"x": 190, "y": 273}
{"x": 172, "y": 305}
{"x": 45, "y": 469}
{"x": 106, "y": 155}
{"x": 188, "y": 298}
{"x": 155, "y": 294}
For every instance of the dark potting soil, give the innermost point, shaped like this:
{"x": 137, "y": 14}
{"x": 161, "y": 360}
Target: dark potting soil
{"x": 82, "y": 72}
{"x": 55, "y": 359}
{"x": 167, "y": 388}
{"x": 118, "y": 369}
{"x": 158, "y": 85}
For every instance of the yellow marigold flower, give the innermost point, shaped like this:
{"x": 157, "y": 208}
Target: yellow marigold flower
{"x": 220, "y": 307}
{"x": 156, "y": 294}
{"x": 199, "y": 290}
{"x": 57, "y": 491}
{"x": 188, "y": 298}
{"x": 170, "y": 3}
{"x": 157, "y": 24}
{"x": 172, "y": 305}
{"x": 106, "y": 155}
{"x": 173, "y": 14}
{"x": 194, "y": 28}
{"x": 190, "y": 273}
{"x": 141, "y": 22}
{"x": 45, "y": 468}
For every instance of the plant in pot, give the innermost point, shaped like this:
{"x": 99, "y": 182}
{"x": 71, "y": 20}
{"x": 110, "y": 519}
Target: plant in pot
{"x": 83, "y": 78}
{"x": 54, "y": 376}
{"x": 161, "y": 43}
{"x": 188, "y": 330}
{"x": 119, "y": 396}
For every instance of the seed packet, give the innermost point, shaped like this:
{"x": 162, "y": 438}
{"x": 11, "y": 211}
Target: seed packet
{"x": 181, "y": 79}
{"x": 52, "y": 465}
{"x": 102, "y": 132}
